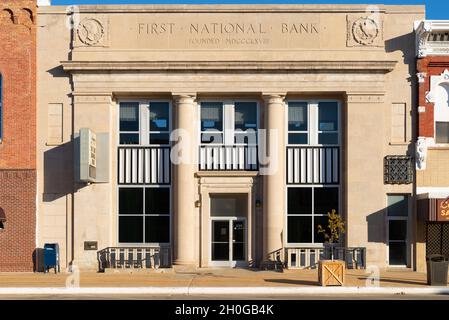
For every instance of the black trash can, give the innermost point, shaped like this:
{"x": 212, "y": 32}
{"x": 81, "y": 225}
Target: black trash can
{"x": 437, "y": 269}
{"x": 38, "y": 260}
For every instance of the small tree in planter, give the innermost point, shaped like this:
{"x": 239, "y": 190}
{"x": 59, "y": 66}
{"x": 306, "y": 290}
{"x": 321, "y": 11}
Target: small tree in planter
{"x": 330, "y": 272}
{"x": 334, "y": 230}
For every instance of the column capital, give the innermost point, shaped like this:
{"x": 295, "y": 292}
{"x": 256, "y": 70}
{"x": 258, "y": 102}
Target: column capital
{"x": 184, "y": 97}
{"x": 274, "y": 98}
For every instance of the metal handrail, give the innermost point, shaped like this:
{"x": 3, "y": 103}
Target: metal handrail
{"x": 133, "y": 257}
{"x": 308, "y": 257}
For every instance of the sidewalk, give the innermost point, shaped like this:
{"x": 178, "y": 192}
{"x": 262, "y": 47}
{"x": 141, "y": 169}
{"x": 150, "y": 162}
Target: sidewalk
{"x": 207, "y": 278}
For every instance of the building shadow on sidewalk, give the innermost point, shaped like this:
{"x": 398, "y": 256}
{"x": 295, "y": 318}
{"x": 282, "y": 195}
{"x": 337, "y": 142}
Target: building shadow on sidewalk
{"x": 294, "y": 282}
{"x": 409, "y": 282}
{"x": 204, "y": 274}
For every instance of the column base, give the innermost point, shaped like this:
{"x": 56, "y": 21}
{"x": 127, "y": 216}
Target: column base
{"x": 184, "y": 266}
{"x": 185, "y": 263}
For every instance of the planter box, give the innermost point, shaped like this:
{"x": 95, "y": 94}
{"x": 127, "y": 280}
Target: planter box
{"x": 331, "y": 273}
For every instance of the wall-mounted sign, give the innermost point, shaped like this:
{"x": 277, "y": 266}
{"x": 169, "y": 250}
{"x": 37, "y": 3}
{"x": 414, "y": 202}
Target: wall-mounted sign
{"x": 88, "y": 155}
{"x": 90, "y": 245}
{"x": 91, "y": 156}
{"x": 246, "y": 31}
{"x": 443, "y": 210}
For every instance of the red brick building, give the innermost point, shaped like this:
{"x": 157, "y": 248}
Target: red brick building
{"x": 432, "y": 177}
{"x": 17, "y": 134}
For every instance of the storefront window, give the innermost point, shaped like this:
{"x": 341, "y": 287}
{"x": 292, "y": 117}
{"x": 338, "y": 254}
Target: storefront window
{"x": 313, "y": 123}
{"x": 212, "y": 122}
{"x": 159, "y": 122}
{"x": 306, "y": 209}
{"x": 145, "y": 123}
{"x": 129, "y": 123}
{"x": 442, "y": 132}
{"x": 298, "y": 123}
{"x": 245, "y": 122}
{"x": 229, "y": 123}
{"x": 144, "y": 215}
{"x": 327, "y": 123}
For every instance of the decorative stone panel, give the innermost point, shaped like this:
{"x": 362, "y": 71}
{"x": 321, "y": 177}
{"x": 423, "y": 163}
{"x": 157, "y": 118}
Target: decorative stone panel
{"x": 365, "y": 30}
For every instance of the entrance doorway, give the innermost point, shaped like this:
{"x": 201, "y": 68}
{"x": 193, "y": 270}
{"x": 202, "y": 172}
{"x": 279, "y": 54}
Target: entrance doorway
{"x": 228, "y": 241}
{"x": 397, "y": 230}
{"x": 228, "y": 246}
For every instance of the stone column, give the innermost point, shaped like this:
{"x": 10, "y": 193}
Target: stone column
{"x": 184, "y": 181}
{"x": 274, "y": 174}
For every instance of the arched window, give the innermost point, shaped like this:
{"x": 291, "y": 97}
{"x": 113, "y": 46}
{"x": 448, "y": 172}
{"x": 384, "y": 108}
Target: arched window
{"x": 1, "y": 107}
{"x": 2, "y": 219}
{"x": 442, "y": 113}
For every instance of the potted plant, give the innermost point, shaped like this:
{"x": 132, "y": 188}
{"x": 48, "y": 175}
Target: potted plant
{"x": 332, "y": 272}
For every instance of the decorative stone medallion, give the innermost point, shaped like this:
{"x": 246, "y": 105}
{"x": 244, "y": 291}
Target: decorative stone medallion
{"x": 365, "y": 31}
{"x": 90, "y": 31}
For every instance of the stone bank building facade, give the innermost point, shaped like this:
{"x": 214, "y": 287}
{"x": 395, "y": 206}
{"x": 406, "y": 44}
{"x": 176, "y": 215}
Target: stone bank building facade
{"x": 221, "y": 136}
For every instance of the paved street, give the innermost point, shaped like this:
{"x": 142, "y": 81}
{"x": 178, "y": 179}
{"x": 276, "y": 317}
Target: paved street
{"x": 218, "y": 297}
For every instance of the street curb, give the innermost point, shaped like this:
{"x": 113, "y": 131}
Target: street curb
{"x": 220, "y": 291}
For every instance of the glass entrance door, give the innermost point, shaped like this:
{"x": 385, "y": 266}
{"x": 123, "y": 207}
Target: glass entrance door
{"x": 397, "y": 227}
{"x": 397, "y": 242}
{"x": 228, "y": 241}
{"x": 220, "y": 240}
{"x": 238, "y": 240}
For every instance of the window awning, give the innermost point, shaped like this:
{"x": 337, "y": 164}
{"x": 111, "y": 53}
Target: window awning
{"x": 433, "y": 209}
{"x": 2, "y": 215}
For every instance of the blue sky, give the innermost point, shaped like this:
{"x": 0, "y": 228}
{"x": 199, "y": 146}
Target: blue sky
{"x": 436, "y": 9}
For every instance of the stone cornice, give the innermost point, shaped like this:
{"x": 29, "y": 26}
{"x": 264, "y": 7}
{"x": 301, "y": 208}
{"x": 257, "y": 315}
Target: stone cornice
{"x": 381, "y": 66}
{"x": 301, "y": 8}
{"x": 230, "y": 174}
{"x": 425, "y": 29}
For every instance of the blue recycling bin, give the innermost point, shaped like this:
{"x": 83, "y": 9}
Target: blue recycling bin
{"x": 51, "y": 257}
